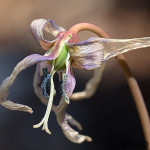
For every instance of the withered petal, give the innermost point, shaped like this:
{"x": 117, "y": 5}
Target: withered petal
{"x": 7, "y": 83}
{"x": 70, "y": 81}
{"x": 91, "y": 53}
{"x": 91, "y": 85}
{"x": 70, "y": 133}
{"x": 37, "y": 27}
{"x": 87, "y": 54}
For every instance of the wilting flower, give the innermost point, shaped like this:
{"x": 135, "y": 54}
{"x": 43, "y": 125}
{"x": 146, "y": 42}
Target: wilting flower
{"x": 61, "y": 55}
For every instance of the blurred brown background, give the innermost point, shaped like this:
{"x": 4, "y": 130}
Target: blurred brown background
{"x": 120, "y": 19}
{"x": 112, "y": 105}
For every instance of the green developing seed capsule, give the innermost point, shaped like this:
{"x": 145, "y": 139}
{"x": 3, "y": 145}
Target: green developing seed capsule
{"x": 60, "y": 61}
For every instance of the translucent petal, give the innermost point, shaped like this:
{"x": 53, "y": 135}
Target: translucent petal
{"x": 70, "y": 81}
{"x": 70, "y": 133}
{"x": 37, "y": 27}
{"x": 93, "y": 52}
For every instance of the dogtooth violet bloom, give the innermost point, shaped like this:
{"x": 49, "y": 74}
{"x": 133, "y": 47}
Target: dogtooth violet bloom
{"x": 62, "y": 54}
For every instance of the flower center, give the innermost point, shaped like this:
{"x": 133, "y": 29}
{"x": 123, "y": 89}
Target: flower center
{"x": 60, "y": 61}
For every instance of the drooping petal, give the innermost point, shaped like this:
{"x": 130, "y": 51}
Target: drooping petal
{"x": 37, "y": 27}
{"x": 70, "y": 81}
{"x": 93, "y": 52}
{"x": 7, "y": 83}
{"x": 70, "y": 133}
{"x": 114, "y": 47}
{"x": 91, "y": 85}
{"x": 73, "y": 121}
{"x": 15, "y": 106}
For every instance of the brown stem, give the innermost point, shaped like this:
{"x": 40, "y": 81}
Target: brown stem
{"x": 133, "y": 85}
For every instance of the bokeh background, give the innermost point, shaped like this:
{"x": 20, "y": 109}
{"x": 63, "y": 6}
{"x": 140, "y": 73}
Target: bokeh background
{"x": 110, "y": 116}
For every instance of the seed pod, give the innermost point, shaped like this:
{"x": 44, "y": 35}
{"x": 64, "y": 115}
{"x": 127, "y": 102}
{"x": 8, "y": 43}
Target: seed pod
{"x": 60, "y": 61}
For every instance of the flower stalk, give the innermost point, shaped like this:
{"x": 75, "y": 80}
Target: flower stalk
{"x": 133, "y": 85}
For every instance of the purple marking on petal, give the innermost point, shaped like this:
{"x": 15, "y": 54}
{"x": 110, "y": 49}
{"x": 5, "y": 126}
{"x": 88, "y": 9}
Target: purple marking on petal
{"x": 107, "y": 47}
{"x": 87, "y": 54}
{"x": 70, "y": 82}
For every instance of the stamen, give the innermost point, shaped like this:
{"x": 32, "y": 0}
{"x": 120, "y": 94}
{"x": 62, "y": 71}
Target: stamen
{"x": 45, "y": 82}
{"x": 64, "y": 78}
{"x": 60, "y": 87}
{"x": 44, "y": 121}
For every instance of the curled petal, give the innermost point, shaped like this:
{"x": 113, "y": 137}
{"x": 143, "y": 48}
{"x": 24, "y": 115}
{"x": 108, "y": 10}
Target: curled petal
{"x": 70, "y": 119}
{"x": 86, "y": 54}
{"x": 14, "y": 106}
{"x": 37, "y": 27}
{"x": 91, "y": 85}
{"x": 70, "y": 82}
{"x": 70, "y": 133}
{"x": 73, "y": 122}
{"x": 93, "y": 52}
{"x": 7, "y": 83}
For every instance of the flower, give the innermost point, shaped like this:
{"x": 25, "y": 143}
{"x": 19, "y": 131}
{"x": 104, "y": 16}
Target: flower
{"x": 62, "y": 54}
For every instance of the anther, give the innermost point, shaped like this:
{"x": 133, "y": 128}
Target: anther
{"x": 64, "y": 78}
{"x": 45, "y": 83}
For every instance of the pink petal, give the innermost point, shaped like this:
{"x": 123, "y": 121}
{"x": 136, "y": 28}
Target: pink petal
{"x": 70, "y": 82}
{"x": 87, "y": 54}
{"x": 91, "y": 53}
{"x": 70, "y": 133}
{"x": 37, "y": 27}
